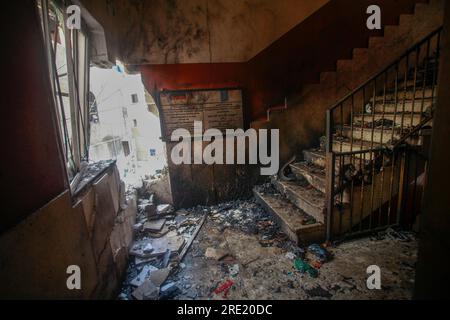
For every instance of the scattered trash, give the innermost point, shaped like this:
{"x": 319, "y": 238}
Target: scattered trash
{"x": 142, "y": 276}
{"x": 142, "y": 249}
{"x": 162, "y": 238}
{"x": 224, "y": 288}
{"x": 154, "y": 225}
{"x": 234, "y": 270}
{"x": 304, "y": 267}
{"x": 168, "y": 291}
{"x": 290, "y": 256}
{"x": 160, "y": 267}
{"x": 317, "y": 264}
{"x": 321, "y": 253}
{"x": 164, "y": 209}
{"x": 146, "y": 291}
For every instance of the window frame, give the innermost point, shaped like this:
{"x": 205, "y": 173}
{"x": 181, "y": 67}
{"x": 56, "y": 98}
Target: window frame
{"x": 75, "y": 148}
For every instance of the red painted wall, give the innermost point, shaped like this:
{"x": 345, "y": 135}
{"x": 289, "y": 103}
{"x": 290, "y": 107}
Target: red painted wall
{"x": 296, "y": 59}
{"x": 31, "y": 169}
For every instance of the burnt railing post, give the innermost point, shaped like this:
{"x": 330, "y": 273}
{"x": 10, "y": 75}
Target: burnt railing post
{"x": 330, "y": 164}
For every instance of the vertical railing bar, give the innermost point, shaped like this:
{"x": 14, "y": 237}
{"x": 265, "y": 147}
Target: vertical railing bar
{"x": 361, "y": 205}
{"x": 438, "y": 51}
{"x": 330, "y": 186}
{"x": 351, "y": 127}
{"x": 329, "y": 146}
{"x": 330, "y": 173}
{"x": 404, "y": 94}
{"x": 373, "y": 115}
{"x": 401, "y": 184}
{"x": 391, "y": 185}
{"x": 381, "y": 201}
{"x": 383, "y": 111}
{"x": 363, "y": 158}
{"x": 424, "y": 82}
{"x": 382, "y": 155}
{"x": 414, "y": 88}
{"x": 395, "y": 100}
{"x": 372, "y": 155}
{"x": 363, "y": 122}
{"x": 351, "y": 203}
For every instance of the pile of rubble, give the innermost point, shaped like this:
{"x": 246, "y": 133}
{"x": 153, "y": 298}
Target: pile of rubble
{"x": 162, "y": 238}
{"x": 238, "y": 236}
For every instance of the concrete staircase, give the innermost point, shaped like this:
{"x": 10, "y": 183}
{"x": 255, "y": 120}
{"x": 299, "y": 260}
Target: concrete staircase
{"x": 300, "y": 203}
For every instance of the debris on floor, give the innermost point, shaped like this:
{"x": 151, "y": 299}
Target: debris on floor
{"x": 162, "y": 238}
{"x": 236, "y": 250}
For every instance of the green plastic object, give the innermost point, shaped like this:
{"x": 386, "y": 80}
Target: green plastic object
{"x": 303, "y": 267}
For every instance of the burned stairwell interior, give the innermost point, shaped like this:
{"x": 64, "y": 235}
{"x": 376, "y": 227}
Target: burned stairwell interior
{"x": 98, "y": 184}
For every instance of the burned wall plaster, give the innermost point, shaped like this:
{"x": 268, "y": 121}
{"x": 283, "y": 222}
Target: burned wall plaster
{"x": 94, "y": 234}
{"x": 196, "y": 31}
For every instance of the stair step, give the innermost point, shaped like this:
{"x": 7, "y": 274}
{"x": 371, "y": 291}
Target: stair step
{"x": 345, "y": 145}
{"x": 390, "y": 96}
{"x": 291, "y": 218}
{"x": 306, "y": 198}
{"x": 396, "y": 118}
{"x": 316, "y": 157}
{"x": 315, "y": 175}
{"x": 416, "y": 106}
{"x": 380, "y": 136}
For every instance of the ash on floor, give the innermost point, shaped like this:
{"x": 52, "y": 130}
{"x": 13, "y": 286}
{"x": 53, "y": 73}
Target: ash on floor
{"x": 240, "y": 253}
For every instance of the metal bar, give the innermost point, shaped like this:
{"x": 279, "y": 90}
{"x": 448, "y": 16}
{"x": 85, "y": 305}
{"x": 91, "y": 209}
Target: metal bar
{"x": 395, "y": 101}
{"x": 361, "y": 206}
{"x": 424, "y": 82}
{"x": 382, "y": 153}
{"x": 330, "y": 172}
{"x": 372, "y": 160}
{"x": 435, "y": 70}
{"x": 363, "y": 121}
{"x": 351, "y": 203}
{"x": 404, "y": 93}
{"x": 352, "y": 106}
{"x": 414, "y": 88}
{"x": 391, "y": 186}
{"x": 329, "y": 124}
{"x": 72, "y": 89}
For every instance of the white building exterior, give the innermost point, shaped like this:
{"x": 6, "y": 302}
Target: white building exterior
{"x": 126, "y": 131}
